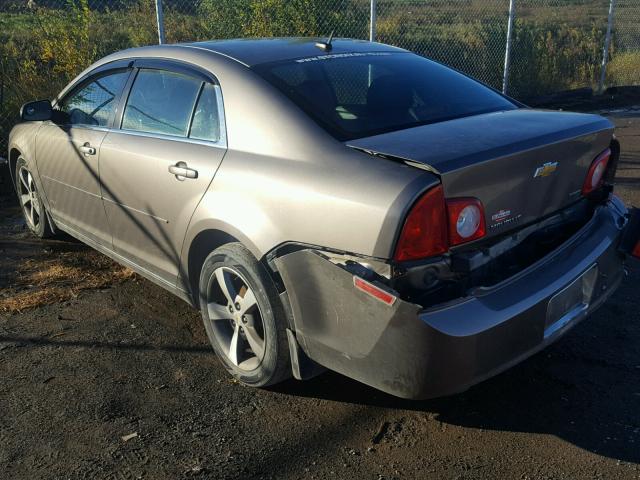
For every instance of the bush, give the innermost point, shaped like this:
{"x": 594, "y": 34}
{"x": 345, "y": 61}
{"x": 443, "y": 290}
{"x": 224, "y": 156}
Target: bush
{"x": 551, "y": 57}
{"x": 42, "y": 50}
{"x": 624, "y": 69}
{"x": 277, "y": 18}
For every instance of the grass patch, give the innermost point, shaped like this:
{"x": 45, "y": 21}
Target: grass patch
{"x": 42, "y": 282}
{"x": 624, "y": 69}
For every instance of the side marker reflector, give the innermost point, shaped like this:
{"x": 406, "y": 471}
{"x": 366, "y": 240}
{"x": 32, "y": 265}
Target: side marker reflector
{"x": 374, "y": 291}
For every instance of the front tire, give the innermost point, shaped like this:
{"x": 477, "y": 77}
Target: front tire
{"x": 33, "y": 210}
{"x": 243, "y": 316}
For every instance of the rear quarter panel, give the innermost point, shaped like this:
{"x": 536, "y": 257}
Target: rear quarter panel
{"x": 353, "y": 203}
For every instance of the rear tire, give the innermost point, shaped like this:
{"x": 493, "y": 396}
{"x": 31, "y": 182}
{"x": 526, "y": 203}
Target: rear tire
{"x": 244, "y": 317}
{"x": 33, "y": 210}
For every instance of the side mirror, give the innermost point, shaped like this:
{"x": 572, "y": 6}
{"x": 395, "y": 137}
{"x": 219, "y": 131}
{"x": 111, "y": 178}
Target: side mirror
{"x": 36, "y": 111}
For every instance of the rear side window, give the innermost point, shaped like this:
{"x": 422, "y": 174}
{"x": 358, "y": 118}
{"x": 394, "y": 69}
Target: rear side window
{"x": 95, "y": 102}
{"x": 161, "y": 102}
{"x": 206, "y": 119}
{"x": 356, "y": 95}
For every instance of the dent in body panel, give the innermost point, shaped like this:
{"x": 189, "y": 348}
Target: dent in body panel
{"x": 348, "y": 331}
{"x": 413, "y": 352}
{"x": 494, "y": 157}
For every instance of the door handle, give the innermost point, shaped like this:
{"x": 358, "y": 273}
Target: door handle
{"x": 87, "y": 149}
{"x": 181, "y": 171}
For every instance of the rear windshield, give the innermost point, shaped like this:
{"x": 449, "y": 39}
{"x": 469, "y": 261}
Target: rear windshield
{"x": 357, "y": 95}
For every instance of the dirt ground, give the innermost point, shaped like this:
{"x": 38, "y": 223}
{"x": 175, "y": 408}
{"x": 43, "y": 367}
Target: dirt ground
{"x": 118, "y": 382}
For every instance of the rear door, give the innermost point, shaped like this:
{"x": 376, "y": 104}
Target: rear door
{"x": 157, "y": 163}
{"x": 68, "y": 153}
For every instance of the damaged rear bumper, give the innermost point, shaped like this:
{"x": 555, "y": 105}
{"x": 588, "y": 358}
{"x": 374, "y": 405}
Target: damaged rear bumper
{"x": 412, "y": 352}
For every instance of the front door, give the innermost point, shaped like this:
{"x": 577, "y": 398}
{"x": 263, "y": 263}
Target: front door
{"x": 157, "y": 167}
{"x": 68, "y": 154}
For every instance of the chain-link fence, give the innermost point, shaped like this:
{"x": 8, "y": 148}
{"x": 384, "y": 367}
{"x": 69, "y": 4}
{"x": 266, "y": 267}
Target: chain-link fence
{"x": 555, "y": 45}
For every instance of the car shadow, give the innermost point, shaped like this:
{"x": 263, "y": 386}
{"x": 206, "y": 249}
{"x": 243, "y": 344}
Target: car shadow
{"x": 36, "y": 342}
{"x": 513, "y": 402}
{"x": 584, "y": 389}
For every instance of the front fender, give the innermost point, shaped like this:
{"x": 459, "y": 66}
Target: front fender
{"x": 22, "y": 142}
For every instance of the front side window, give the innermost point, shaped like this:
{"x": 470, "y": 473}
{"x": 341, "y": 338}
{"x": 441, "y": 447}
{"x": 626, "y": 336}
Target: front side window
{"x": 161, "y": 102}
{"x": 95, "y": 102}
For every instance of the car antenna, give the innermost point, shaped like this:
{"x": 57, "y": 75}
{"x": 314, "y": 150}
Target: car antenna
{"x": 326, "y": 46}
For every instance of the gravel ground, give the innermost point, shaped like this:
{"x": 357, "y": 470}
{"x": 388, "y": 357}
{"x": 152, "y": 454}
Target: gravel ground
{"x": 120, "y": 383}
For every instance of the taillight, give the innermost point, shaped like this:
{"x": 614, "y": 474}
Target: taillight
{"x": 466, "y": 220}
{"x": 636, "y": 250}
{"x": 433, "y": 225}
{"x": 596, "y": 172}
{"x": 424, "y": 233}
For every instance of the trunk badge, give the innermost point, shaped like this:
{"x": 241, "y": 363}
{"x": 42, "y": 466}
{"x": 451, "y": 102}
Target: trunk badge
{"x": 546, "y": 169}
{"x": 501, "y": 215}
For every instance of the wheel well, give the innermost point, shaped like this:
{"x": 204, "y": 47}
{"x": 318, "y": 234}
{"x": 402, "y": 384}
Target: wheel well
{"x": 13, "y": 159}
{"x": 200, "y": 248}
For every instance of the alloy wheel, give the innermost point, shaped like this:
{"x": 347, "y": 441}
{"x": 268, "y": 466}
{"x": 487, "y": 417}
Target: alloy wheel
{"x": 29, "y": 199}
{"x": 236, "y": 318}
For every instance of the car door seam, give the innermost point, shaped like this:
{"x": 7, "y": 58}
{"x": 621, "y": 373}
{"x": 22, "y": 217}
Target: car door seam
{"x": 71, "y": 186}
{"x": 134, "y": 209}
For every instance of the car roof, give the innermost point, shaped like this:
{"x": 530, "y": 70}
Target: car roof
{"x": 254, "y": 51}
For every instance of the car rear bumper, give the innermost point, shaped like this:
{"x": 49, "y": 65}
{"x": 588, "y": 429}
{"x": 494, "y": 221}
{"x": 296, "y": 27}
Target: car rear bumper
{"x": 415, "y": 353}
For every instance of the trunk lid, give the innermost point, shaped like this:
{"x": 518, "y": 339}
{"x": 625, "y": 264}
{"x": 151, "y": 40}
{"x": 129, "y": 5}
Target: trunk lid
{"x": 522, "y": 164}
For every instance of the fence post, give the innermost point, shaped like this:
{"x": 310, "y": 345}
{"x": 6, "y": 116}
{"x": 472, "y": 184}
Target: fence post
{"x": 507, "y": 50}
{"x": 372, "y": 21}
{"x": 607, "y": 43}
{"x": 160, "y": 21}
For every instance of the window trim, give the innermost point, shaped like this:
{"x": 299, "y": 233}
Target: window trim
{"x": 175, "y": 66}
{"x": 193, "y": 110}
{"x": 115, "y": 65}
{"x": 160, "y": 136}
{"x": 183, "y": 68}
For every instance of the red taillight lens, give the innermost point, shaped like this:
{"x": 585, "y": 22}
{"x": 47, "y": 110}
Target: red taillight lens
{"x": 636, "y": 250}
{"x": 596, "y": 172}
{"x": 424, "y": 233}
{"x": 466, "y": 220}
{"x": 434, "y": 225}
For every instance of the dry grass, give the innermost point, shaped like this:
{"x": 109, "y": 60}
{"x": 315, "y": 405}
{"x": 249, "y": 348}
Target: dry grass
{"x": 41, "y": 282}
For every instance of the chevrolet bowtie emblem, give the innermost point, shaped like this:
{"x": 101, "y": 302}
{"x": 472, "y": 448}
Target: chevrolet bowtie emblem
{"x": 546, "y": 169}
